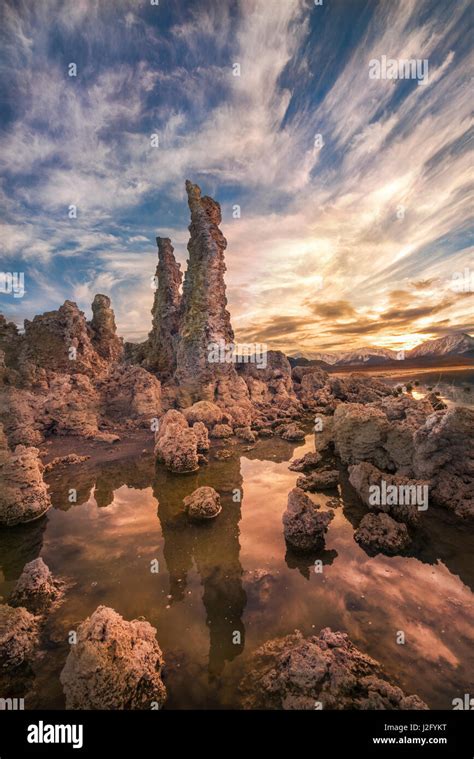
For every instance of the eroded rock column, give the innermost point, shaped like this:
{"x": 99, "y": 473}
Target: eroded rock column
{"x": 204, "y": 316}
{"x": 105, "y": 339}
{"x": 163, "y": 338}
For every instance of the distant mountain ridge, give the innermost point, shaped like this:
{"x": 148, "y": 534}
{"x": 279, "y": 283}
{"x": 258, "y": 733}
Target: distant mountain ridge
{"x": 456, "y": 344}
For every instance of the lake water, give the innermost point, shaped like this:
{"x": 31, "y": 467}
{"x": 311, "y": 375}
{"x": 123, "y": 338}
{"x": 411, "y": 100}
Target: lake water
{"x": 456, "y": 387}
{"x": 234, "y": 575}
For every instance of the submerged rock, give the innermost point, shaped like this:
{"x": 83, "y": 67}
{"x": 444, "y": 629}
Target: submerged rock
{"x": 258, "y": 584}
{"x": 176, "y": 444}
{"x": 18, "y": 637}
{"x": 324, "y": 480}
{"x": 69, "y": 458}
{"x": 306, "y": 463}
{"x": 381, "y": 533}
{"x": 298, "y": 673}
{"x": 36, "y": 590}
{"x": 203, "y": 504}
{"x": 24, "y": 496}
{"x": 304, "y": 526}
{"x": 115, "y": 664}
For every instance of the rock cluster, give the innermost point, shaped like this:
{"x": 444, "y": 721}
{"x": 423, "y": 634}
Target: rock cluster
{"x": 115, "y": 664}
{"x": 70, "y": 376}
{"x": 325, "y": 671}
{"x": 406, "y": 442}
{"x": 67, "y": 377}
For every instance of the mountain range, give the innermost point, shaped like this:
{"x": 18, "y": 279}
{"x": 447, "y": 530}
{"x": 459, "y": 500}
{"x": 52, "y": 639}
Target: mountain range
{"x": 457, "y": 344}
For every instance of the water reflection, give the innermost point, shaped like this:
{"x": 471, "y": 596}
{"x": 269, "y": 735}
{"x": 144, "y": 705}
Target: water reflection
{"x": 19, "y": 545}
{"x": 214, "y": 548}
{"x": 227, "y": 586}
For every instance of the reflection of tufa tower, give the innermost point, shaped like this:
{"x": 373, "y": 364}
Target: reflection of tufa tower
{"x": 215, "y": 550}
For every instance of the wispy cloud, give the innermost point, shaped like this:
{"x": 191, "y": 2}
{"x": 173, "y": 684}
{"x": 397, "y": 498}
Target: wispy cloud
{"x": 382, "y": 205}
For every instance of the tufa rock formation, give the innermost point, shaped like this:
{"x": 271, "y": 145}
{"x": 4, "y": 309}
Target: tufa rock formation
{"x": 24, "y": 496}
{"x": 444, "y": 453}
{"x": 18, "y": 637}
{"x": 104, "y": 337}
{"x": 36, "y": 590}
{"x": 380, "y": 533}
{"x": 204, "y": 317}
{"x": 163, "y": 339}
{"x": 176, "y": 443}
{"x": 61, "y": 341}
{"x": 114, "y": 665}
{"x": 304, "y": 526}
{"x": 295, "y": 672}
{"x": 203, "y": 504}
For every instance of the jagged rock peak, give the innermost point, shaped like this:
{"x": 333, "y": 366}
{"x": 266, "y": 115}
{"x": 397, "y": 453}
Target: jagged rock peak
{"x": 105, "y": 339}
{"x": 61, "y": 341}
{"x": 199, "y": 205}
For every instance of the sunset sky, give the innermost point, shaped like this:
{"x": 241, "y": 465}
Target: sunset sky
{"x": 350, "y": 244}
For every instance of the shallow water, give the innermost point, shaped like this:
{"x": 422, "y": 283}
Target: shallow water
{"x": 456, "y": 387}
{"x": 207, "y": 590}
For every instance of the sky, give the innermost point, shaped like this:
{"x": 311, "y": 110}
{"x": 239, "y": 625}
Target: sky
{"x": 354, "y": 192}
